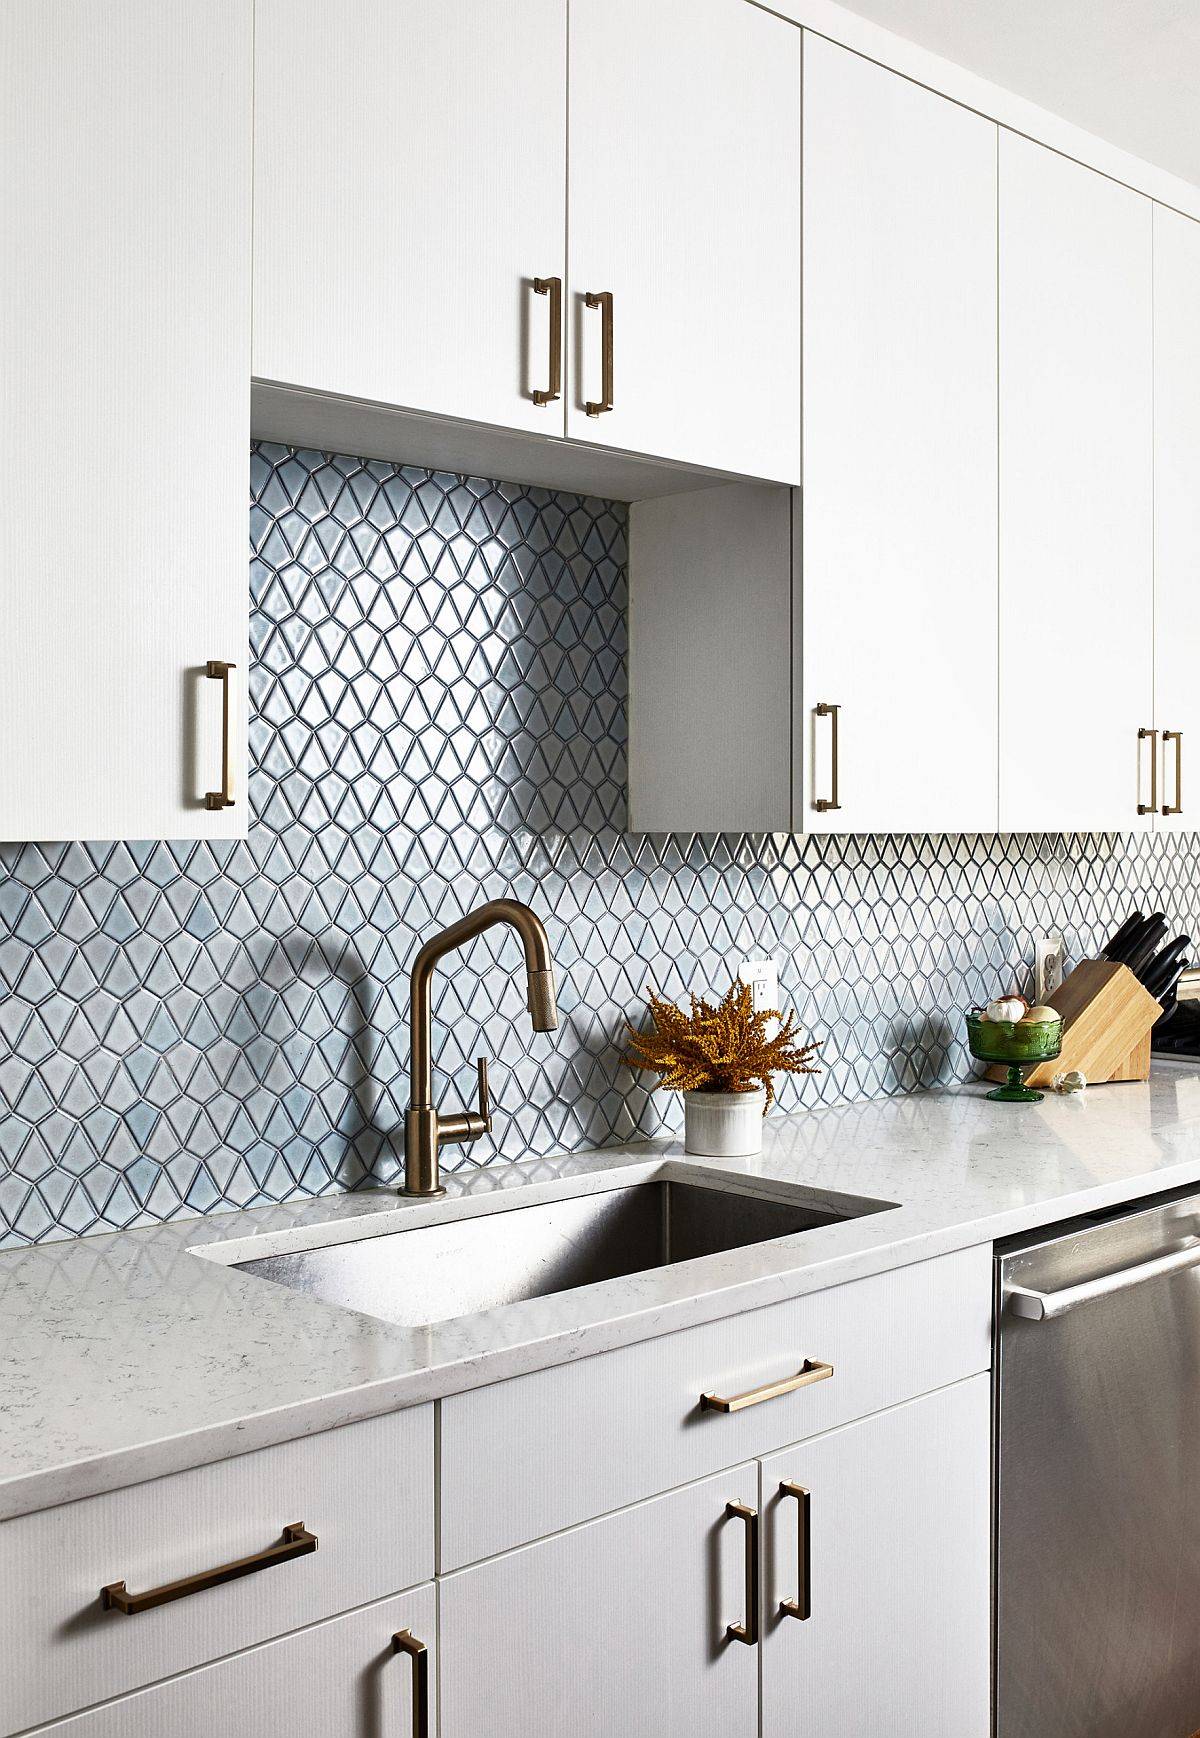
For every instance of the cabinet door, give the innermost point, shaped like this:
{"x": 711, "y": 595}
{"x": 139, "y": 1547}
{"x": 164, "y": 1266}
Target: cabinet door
{"x": 614, "y": 1627}
{"x": 344, "y": 1677}
{"x": 685, "y": 207}
{"x": 1076, "y": 515}
{"x": 899, "y": 531}
{"x": 410, "y": 186}
{"x": 124, "y": 413}
{"x": 1177, "y": 509}
{"x": 898, "y": 1582}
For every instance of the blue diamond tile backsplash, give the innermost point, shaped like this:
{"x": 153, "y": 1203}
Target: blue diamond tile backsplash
{"x": 438, "y": 716}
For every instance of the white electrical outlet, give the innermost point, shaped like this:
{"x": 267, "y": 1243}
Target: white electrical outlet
{"x": 1047, "y": 965}
{"x": 763, "y": 979}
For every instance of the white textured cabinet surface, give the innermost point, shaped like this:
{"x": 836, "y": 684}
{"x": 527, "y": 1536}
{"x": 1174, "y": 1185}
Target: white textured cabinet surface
{"x": 1076, "y": 513}
{"x": 899, "y": 512}
{"x": 337, "y": 1680}
{"x": 125, "y": 180}
{"x": 410, "y": 177}
{"x": 1177, "y": 507}
{"x": 710, "y": 617}
{"x": 898, "y": 1640}
{"x": 616, "y": 1628}
{"x": 563, "y": 1444}
{"x": 684, "y": 195}
{"x": 366, "y": 1491}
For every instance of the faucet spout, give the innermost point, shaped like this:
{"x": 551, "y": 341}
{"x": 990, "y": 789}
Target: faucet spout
{"x": 424, "y": 1128}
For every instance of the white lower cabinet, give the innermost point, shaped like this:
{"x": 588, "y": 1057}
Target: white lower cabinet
{"x": 344, "y": 1679}
{"x": 363, "y": 1494}
{"x": 838, "y": 1587}
{"x": 894, "y": 1575}
{"x": 879, "y": 1531}
{"x": 615, "y": 1628}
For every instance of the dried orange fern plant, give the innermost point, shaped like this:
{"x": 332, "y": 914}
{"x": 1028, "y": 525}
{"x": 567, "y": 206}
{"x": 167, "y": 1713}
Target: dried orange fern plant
{"x": 721, "y": 1048}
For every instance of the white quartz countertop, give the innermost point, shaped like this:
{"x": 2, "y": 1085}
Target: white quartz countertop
{"x": 130, "y": 1355}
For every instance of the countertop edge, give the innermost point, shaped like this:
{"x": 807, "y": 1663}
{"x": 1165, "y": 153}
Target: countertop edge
{"x": 28, "y": 1492}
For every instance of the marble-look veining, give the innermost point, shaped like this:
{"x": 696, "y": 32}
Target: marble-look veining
{"x": 128, "y": 1356}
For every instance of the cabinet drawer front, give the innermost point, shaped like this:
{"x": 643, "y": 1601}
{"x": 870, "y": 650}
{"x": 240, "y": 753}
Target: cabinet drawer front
{"x": 523, "y": 1458}
{"x": 339, "y": 1677}
{"x": 365, "y": 1491}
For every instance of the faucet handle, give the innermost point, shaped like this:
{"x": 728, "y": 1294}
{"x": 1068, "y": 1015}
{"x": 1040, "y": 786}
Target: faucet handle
{"x": 485, "y": 1103}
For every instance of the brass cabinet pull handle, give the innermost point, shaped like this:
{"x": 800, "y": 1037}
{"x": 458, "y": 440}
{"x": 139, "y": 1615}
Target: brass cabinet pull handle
{"x": 218, "y": 671}
{"x": 812, "y": 1370}
{"x": 747, "y": 1632}
{"x": 296, "y": 1542}
{"x": 405, "y": 1642}
{"x": 801, "y": 1606}
{"x": 824, "y": 804}
{"x": 1151, "y": 807}
{"x": 552, "y": 287}
{"x": 602, "y": 299}
{"x": 1175, "y": 736}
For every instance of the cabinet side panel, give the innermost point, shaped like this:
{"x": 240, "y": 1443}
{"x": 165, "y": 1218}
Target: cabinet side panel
{"x": 1177, "y": 508}
{"x": 710, "y": 578}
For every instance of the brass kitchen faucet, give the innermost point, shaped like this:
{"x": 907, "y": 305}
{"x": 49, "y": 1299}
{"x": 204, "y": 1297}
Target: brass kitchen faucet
{"x": 425, "y": 1128}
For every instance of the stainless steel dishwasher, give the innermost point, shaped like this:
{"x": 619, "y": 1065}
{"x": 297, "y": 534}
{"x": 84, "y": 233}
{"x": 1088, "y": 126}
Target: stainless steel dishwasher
{"x": 1098, "y": 1477}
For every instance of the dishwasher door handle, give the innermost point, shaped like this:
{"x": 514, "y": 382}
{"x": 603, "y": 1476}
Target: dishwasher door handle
{"x": 1043, "y": 1306}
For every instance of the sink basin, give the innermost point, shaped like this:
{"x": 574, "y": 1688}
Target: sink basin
{"x": 459, "y": 1265}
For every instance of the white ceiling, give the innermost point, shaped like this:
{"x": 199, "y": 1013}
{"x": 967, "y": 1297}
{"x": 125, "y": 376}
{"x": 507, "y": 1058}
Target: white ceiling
{"x": 1128, "y": 70}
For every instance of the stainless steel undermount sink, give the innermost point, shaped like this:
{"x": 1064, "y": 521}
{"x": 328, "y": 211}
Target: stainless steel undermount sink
{"x": 456, "y": 1266}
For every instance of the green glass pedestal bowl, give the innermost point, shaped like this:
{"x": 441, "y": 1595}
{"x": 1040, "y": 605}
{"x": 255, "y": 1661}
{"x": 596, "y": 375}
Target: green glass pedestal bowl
{"x": 1015, "y": 1046}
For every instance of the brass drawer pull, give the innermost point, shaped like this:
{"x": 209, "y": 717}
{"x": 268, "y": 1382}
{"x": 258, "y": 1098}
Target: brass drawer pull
{"x": 824, "y": 804}
{"x": 602, "y": 299}
{"x": 552, "y": 287}
{"x": 405, "y": 1642}
{"x": 801, "y": 1606}
{"x": 747, "y": 1632}
{"x": 218, "y": 671}
{"x": 812, "y": 1370}
{"x": 296, "y": 1542}
{"x": 1151, "y": 808}
{"x": 1175, "y": 736}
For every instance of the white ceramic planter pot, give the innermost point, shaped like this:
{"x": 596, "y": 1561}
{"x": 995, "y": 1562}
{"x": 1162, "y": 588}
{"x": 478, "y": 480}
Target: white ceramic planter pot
{"x": 723, "y": 1125}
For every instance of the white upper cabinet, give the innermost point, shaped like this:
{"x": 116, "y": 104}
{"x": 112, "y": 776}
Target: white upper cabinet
{"x": 1076, "y": 496}
{"x": 899, "y": 505}
{"x": 1177, "y": 512}
{"x": 410, "y": 175}
{"x": 412, "y": 201}
{"x": 684, "y": 195}
{"x": 125, "y": 137}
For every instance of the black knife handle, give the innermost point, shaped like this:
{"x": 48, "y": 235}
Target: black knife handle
{"x": 1147, "y": 944}
{"x": 1113, "y": 948}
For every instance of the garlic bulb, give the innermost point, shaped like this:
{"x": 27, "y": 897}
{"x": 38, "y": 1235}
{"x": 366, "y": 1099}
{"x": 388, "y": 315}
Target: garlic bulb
{"x": 1074, "y": 1080}
{"x": 1006, "y": 1008}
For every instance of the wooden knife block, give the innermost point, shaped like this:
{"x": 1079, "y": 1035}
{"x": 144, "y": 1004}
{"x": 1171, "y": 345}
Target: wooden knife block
{"x": 1107, "y": 1020}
